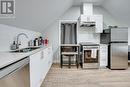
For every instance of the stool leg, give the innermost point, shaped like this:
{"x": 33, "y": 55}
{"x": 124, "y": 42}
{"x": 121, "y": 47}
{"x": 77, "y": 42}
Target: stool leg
{"x": 61, "y": 62}
{"x": 69, "y": 61}
{"x": 77, "y": 61}
{"x": 81, "y": 61}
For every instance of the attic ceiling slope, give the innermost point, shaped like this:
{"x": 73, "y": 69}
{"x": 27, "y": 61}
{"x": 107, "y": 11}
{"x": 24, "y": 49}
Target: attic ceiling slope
{"x": 119, "y": 9}
{"x": 95, "y": 2}
{"x": 37, "y": 14}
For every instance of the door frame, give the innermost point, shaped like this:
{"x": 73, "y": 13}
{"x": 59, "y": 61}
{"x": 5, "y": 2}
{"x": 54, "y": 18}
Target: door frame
{"x": 64, "y": 21}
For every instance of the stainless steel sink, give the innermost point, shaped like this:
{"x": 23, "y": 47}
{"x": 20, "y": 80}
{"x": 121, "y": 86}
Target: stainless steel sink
{"x": 24, "y": 50}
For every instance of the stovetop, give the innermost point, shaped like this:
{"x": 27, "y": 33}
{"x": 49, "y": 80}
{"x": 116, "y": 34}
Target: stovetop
{"x": 89, "y": 44}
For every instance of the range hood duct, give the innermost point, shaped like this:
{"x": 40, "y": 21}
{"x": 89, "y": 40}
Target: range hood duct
{"x": 86, "y": 11}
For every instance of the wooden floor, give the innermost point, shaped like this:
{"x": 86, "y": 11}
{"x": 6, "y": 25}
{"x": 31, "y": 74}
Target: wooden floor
{"x": 74, "y": 77}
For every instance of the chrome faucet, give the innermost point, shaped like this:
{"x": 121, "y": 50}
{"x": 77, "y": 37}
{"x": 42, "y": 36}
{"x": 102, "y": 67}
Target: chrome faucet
{"x": 17, "y": 41}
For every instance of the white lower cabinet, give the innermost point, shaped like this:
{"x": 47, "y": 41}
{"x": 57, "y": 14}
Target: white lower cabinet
{"x": 40, "y": 64}
{"x": 103, "y": 55}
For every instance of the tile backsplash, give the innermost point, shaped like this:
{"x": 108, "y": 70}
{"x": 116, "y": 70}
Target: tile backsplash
{"x": 88, "y": 35}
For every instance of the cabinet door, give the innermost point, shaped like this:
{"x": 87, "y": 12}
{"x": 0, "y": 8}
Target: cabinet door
{"x": 40, "y": 64}
{"x": 46, "y": 61}
{"x": 103, "y": 56}
{"x": 48, "y": 56}
{"x": 35, "y": 70}
{"x": 99, "y": 23}
{"x": 44, "y": 65}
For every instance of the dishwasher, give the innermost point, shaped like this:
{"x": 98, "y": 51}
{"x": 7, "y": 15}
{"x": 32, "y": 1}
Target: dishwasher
{"x": 15, "y": 74}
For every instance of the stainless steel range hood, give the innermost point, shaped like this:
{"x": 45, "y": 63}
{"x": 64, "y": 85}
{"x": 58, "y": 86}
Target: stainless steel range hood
{"x": 87, "y": 24}
{"x": 86, "y": 19}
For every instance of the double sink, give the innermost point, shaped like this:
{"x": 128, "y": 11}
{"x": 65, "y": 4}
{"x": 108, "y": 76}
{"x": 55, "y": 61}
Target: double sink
{"x": 24, "y": 50}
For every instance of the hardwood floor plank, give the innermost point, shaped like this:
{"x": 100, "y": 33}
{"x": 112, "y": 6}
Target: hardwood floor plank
{"x": 74, "y": 77}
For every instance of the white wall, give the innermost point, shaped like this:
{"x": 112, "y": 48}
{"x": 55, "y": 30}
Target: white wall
{"x": 108, "y": 19}
{"x": 128, "y": 35}
{"x": 52, "y": 32}
{"x": 8, "y": 35}
{"x": 37, "y": 14}
{"x": 119, "y": 9}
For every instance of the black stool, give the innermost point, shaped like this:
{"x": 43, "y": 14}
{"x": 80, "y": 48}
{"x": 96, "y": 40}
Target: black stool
{"x": 69, "y": 56}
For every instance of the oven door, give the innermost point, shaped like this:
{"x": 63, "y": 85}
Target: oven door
{"x": 91, "y": 57}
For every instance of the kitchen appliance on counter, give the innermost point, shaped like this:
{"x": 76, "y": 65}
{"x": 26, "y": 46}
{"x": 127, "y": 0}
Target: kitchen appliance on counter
{"x": 36, "y": 42}
{"x": 90, "y": 55}
{"x": 118, "y": 47}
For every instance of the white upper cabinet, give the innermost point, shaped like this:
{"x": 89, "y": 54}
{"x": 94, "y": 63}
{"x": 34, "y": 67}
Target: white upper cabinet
{"x": 99, "y": 23}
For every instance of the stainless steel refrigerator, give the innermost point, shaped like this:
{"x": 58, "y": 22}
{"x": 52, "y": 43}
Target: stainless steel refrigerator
{"x": 118, "y": 48}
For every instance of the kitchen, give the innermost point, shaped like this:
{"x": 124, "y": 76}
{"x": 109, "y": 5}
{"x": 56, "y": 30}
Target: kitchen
{"x": 91, "y": 20}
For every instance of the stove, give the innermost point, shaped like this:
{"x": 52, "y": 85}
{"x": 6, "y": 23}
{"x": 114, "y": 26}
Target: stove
{"x": 90, "y": 55}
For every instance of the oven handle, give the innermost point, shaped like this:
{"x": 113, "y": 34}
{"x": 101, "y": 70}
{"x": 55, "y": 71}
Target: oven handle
{"x": 90, "y": 48}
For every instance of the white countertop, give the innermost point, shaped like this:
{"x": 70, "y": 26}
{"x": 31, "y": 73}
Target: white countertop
{"x": 70, "y": 45}
{"x": 7, "y": 58}
{"x": 104, "y": 44}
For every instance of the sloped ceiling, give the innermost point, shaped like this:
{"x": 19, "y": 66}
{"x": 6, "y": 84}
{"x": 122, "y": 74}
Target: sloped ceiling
{"x": 119, "y": 9}
{"x": 37, "y": 14}
{"x": 95, "y": 2}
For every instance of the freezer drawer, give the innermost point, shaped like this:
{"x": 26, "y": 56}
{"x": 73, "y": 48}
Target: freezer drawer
{"x": 119, "y": 55}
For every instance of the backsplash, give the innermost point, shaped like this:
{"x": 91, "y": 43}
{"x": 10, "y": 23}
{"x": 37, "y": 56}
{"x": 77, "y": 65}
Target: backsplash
{"x": 104, "y": 38}
{"x": 8, "y": 35}
{"x": 88, "y": 35}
